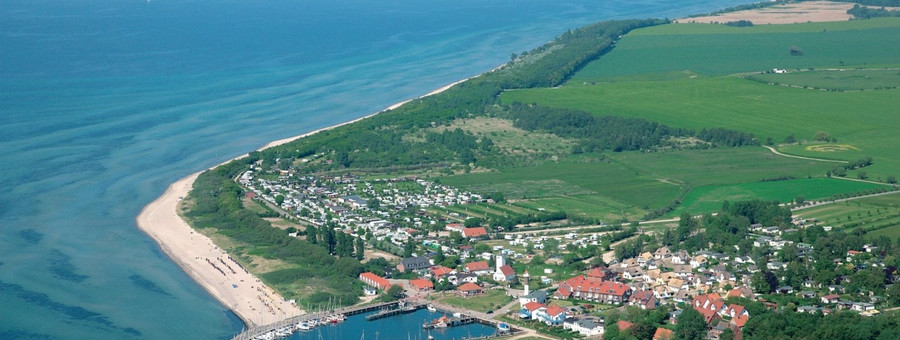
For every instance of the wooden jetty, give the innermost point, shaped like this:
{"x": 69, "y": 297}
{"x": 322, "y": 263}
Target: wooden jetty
{"x": 348, "y": 311}
{"x": 400, "y": 309}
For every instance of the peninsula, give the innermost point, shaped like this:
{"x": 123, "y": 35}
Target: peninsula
{"x": 578, "y": 167}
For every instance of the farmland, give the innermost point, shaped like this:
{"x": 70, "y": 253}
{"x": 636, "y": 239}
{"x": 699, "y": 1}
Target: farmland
{"x": 835, "y": 79}
{"x": 878, "y": 215}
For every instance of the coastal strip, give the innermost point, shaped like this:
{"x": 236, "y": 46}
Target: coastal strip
{"x": 211, "y": 267}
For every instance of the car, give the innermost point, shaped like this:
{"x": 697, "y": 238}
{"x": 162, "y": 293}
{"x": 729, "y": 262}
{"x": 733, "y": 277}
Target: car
{"x": 489, "y": 312}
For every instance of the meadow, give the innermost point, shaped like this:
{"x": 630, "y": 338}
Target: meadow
{"x": 837, "y": 80}
{"x": 878, "y": 215}
{"x": 628, "y": 185}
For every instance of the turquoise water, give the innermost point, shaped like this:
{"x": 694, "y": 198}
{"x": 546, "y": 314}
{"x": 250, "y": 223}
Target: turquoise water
{"x": 404, "y": 326}
{"x": 104, "y": 103}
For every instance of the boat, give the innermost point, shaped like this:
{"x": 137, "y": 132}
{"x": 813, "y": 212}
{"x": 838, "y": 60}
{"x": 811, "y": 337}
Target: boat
{"x": 431, "y": 308}
{"x": 502, "y": 327}
{"x": 304, "y": 326}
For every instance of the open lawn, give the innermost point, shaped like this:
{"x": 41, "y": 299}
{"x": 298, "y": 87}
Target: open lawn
{"x": 719, "y": 50}
{"x": 491, "y": 300}
{"x": 710, "y": 198}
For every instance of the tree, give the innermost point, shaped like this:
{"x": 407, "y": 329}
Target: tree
{"x": 392, "y": 294}
{"x": 893, "y": 294}
{"x": 311, "y": 234}
{"x": 408, "y": 248}
{"x": 279, "y": 199}
{"x": 473, "y": 222}
{"x": 796, "y": 51}
{"x": 439, "y": 257}
{"x": 373, "y": 204}
{"x": 360, "y": 249}
{"x": 800, "y": 199}
{"x": 891, "y": 179}
{"x": 691, "y": 325}
{"x": 551, "y": 246}
{"x": 727, "y": 334}
{"x": 862, "y": 175}
{"x": 763, "y": 282}
{"x": 790, "y": 139}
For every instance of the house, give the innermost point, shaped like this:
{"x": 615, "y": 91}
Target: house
{"x": 440, "y": 271}
{"x": 422, "y": 285}
{"x": 505, "y": 274}
{"x": 582, "y": 287}
{"x": 623, "y": 325}
{"x": 474, "y": 232}
{"x": 469, "y": 289}
{"x": 478, "y": 268}
{"x": 460, "y": 278}
{"x": 632, "y": 273}
{"x": 538, "y": 296}
{"x": 740, "y": 291}
{"x": 662, "y": 334}
{"x": 784, "y": 290}
{"x": 374, "y": 280}
{"x": 644, "y": 299}
{"x": 369, "y": 290}
{"x": 662, "y": 253}
{"x": 601, "y": 273}
{"x": 413, "y": 264}
{"x": 529, "y": 308}
{"x": 710, "y": 305}
{"x": 584, "y": 326}
{"x": 734, "y": 311}
{"x": 550, "y": 315}
{"x": 831, "y": 298}
{"x": 862, "y": 306}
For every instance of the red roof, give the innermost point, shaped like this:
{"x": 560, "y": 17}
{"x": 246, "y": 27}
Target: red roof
{"x": 623, "y": 325}
{"x": 507, "y": 270}
{"x": 421, "y": 284}
{"x": 737, "y": 309}
{"x": 662, "y": 333}
{"x": 440, "y": 271}
{"x": 469, "y": 287}
{"x": 588, "y": 285}
{"x": 476, "y": 266}
{"x": 831, "y": 297}
{"x": 555, "y": 310}
{"x": 372, "y": 279}
{"x": 740, "y": 321}
{"x": 474, "y": 232}
{"x": 533, "y": 306}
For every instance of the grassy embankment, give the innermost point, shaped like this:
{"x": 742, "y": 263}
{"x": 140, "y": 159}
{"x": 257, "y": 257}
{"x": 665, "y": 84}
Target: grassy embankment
{"x": 693, "y": 86}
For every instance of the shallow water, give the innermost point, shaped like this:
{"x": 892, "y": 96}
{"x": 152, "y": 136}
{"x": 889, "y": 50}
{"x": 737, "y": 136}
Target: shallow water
{"x": 104, "y": 103}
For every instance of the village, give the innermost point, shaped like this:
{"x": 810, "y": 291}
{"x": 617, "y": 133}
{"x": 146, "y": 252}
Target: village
{"x": 522, "y": 277}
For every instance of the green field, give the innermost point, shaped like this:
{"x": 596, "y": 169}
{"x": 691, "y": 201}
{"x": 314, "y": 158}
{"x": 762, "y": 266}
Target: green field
{"x": 842, "y": 80}
{"x": 491, "y": 300}
{"x": 709, "y": 198}
{"x": 719, "y": 50}
{"x": 879, "y": 215}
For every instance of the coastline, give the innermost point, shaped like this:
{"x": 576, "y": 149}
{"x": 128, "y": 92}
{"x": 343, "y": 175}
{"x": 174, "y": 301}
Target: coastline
{"x": 238, "y": 290}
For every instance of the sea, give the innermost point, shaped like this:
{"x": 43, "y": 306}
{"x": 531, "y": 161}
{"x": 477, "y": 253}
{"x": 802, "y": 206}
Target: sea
{"x": 104, "y": 103}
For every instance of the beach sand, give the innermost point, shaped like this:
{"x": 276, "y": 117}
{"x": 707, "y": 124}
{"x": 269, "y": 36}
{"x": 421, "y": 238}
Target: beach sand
{"x": 813, "y": 11}
{"x": 254, "y": 302}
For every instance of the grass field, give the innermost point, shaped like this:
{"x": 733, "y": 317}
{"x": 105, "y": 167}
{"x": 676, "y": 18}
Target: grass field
{"x": 719, "y": 50}
{"x": 843, "y": 80}
{"x": 880, "y": 215}
{"x": 867, "y": 121}
{"x": 709, "y": 198}
{"x": 491, "y": 300}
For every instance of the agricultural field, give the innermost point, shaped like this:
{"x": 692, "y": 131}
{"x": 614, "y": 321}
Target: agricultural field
{"x": 715, "y": 50}
{"x": 879, "y": 215}
{"x": 835, "y": 79}
{"x": 627, "y": 185}
{"x": 708, "y": 198}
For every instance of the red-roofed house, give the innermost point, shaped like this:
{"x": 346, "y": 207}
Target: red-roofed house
{"x": 454, "y": 227}
{"x": 662, "y": 334}
{"x": 478, "y": 268}
{"x": 474, "y": 232}
{"x": 440, "y": 271}
{"x": 831, "y": 298}
{"x": 735, "y": 311}
{"x": 623, "y": 325}
{"x": 601, "y": 273}
{"x": 741, "y": 291}
{"x": 709, "y": 305}
{"x": 740, "y": 321}
{"x": 551, "y": 315}
{"x": 421, "y": 284}
{"x": 505, "y": 274}
{"x": 644, "y": 299}
{"x": 374, "y": 280}
{"x": 529, "y": 308}
{"x": 584, "y": 288}
{"x": 470, "y": 289}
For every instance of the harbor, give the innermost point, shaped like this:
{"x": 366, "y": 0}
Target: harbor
{"x": 379, "y": 321}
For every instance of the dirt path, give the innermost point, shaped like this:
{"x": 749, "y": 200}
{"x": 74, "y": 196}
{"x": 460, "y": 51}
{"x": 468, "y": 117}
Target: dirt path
{"x": 801, "y": 157}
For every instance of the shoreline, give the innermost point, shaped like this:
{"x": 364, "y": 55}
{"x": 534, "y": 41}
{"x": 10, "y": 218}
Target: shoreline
{"x": 209, "y": 266}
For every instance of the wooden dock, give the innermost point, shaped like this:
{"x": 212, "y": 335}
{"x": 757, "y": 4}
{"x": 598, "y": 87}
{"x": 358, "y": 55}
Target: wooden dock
{"x": 348, "y": 311}
{"x": 394, "y": 311}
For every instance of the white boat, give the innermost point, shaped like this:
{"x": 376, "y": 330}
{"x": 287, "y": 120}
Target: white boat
{"x": 431, "y": 308}
{"x": 304, "y": 326}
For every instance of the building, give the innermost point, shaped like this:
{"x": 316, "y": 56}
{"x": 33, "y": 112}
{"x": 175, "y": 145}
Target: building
{"x": 413, "y": 264}
{"x": 662, "y": 334}
{"x": 585, "y": 326}
{"x": 422, "y": 285}
{"x": 529, "y": 308}
{"x": 374, "y": 280}
{"x": 478, "y": 268}
{"x": 474, "y": 232}
{"x": 538, "y": 296}
{"x": 469, "y": 289}
{"x": 584, "y": 288}
{"x": 644, "y": 299}
{"x": 504, "y": 272}
{"x": 550, "y": 315}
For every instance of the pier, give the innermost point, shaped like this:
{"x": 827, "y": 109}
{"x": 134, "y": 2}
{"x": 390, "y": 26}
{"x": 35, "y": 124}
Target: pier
{"x": 259, "y": 331}
{"x": 401, "y": 309}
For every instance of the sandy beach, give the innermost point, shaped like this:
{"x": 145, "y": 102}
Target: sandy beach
{"x": 813, "y": 11}
{"x": 239, "y": 290}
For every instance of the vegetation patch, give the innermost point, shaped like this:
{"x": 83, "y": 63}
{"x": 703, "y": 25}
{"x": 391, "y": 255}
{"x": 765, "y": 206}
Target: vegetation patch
{"x": 831, "y": 147}
{"x": 834, "y": 80}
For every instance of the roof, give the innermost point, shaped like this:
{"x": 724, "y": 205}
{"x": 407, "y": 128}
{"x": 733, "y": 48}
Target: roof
{"x": 476, "y": 266}
{"x": 421, "y": 283}
{"x": 507, "y": 270}
{"x": 538, "y": 295}
{"x": 378, "y": 280}
{"x": 623, "y": 325}
{"x": 532, "y": 306}
{"x": 555, "y": 310}
{"x": 589, "y": 285}
{"x": 468, "y": 287}
{"x": 417, "y": 262}
{"x": 441, "y": 270}
{"x": 740, "y": 321}
{"x": 832, "y": 296}
{"x": 662, "y": 333}
{"x": 474, "y": 232}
